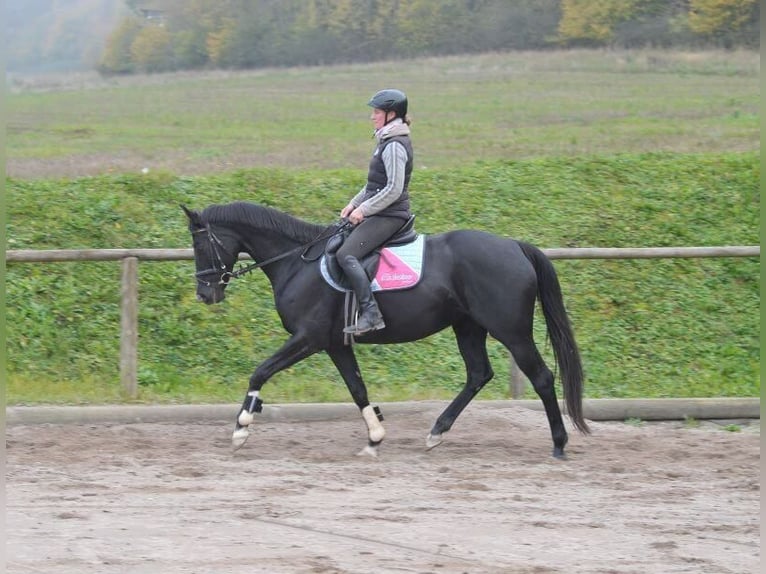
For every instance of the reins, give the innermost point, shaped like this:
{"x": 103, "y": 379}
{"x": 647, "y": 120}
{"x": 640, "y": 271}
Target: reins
{"x": 226, "y": 276}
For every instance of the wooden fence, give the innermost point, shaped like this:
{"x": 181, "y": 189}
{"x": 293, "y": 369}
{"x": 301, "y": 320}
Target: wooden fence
{"x": 131, "y": 257}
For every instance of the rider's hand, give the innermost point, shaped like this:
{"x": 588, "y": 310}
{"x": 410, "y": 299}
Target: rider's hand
{"x": 346, "y": 211}
{"x": 356, "y": 216}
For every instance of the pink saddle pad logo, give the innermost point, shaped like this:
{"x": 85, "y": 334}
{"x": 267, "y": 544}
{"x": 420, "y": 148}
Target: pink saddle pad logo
{"x": 393, "y": 273}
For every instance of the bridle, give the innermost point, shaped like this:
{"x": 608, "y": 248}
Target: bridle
{"x": 215, "y": 243}
{"x": 225, "y": 276}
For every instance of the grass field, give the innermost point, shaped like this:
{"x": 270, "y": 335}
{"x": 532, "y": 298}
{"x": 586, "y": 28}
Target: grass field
{"x": 465, "y": 109}
{"x": 560, "y": 149}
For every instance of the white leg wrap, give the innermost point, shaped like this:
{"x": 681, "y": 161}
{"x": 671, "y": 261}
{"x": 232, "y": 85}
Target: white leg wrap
{"x": 245, "y": 418}
{"x": 374, "y": 428}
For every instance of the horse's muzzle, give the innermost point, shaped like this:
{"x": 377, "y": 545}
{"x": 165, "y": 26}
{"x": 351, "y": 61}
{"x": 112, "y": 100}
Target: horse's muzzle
{"x": 211, "y": 298}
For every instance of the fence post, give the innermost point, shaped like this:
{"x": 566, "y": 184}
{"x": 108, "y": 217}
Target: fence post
{"x": 129, "y": 327}
{"x": 518, "y": 380}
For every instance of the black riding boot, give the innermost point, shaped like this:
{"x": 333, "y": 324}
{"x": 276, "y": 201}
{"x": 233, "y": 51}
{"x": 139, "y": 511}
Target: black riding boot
{"x": 370, "y": 318}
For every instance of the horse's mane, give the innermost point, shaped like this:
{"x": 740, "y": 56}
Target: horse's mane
{"x": 263, "y": 218}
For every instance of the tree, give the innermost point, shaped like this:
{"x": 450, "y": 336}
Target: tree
{"x": 519, "y": 25}
{"x": 151, "y": 50}
{"x": 658, "y": 23}
{"x": 117, "y": 58}
{"x": 218, "y": 41}
{"x": 593, "y": 21}
{"x": 725, "y": 20}
{"x": 189, "y": 49}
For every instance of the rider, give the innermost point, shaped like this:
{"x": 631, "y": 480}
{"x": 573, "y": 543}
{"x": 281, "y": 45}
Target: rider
{"x": 380, "y": 209}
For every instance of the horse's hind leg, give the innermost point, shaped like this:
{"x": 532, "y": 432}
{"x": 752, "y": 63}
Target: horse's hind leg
{"x": 528, "y": 359}
{"x": 472, "y": 342}
{"x": 345, "y": 361}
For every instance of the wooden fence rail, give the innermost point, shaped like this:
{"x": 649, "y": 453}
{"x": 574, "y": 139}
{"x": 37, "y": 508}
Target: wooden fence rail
{"x": 60, "y": 255}
{"x": 131, "y": 257}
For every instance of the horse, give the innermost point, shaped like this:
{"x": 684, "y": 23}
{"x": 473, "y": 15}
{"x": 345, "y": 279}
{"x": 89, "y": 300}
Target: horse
{"x": 475, "y": 282}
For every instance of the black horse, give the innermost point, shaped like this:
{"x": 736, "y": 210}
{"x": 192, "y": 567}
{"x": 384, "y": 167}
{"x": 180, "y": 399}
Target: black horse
{"x": 475, "y": 282}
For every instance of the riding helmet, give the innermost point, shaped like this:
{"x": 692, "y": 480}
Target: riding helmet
{"x": 390, "y": 100}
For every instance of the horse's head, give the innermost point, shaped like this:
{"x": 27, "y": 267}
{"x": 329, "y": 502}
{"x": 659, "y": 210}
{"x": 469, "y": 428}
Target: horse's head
{"x": 214, "y": 254}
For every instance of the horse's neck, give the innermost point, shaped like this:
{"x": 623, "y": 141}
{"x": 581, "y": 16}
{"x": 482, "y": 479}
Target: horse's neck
{"x": 262, "y": 243}
{"x": 265, "y": 244}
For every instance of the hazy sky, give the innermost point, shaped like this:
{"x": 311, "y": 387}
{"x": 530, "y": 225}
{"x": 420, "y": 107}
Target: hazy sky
{"x": 57, "y": 35}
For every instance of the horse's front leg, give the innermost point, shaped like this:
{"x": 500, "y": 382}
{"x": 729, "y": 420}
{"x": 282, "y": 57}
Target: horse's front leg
{"x": 345, "y": 361}
{"x": 295, "y": 349}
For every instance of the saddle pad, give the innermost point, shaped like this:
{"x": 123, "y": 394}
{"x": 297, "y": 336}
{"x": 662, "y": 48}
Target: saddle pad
{"x": 400, "y": 267}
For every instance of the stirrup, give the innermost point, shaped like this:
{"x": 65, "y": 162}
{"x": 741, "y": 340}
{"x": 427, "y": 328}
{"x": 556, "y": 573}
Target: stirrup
{"x": 352, "y": 329}
{"x": 373, "y": 326}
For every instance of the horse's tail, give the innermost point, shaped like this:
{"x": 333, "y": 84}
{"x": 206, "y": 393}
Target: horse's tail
{"x": 560, "y": 333}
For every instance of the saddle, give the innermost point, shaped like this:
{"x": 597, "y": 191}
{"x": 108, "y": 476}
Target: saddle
{"x": 332, "y": 271}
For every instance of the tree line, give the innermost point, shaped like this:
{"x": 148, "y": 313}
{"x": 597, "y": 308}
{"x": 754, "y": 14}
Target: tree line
{"x": 240, "y": 34}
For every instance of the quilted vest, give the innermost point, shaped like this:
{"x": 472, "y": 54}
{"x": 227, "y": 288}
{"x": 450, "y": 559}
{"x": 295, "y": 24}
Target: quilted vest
{"x": 377, "y": 180}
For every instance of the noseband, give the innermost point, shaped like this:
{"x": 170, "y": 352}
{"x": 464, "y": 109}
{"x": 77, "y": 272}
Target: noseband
{"x": 225, "y": 276}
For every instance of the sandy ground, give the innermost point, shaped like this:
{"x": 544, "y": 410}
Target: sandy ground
{"x": 172, "y": 498}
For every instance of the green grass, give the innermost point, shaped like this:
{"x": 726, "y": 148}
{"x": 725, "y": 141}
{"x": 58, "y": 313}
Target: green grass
{"x": 580, "y": 148}
{"x": 465, "y": 109}
{"x": 646, "y": 328}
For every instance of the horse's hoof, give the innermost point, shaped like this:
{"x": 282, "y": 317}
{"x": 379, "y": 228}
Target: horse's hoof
{"x": 239, "y": 437}
{"x": 369, "y": 450}
{"x": 433, "y": 440}
{"x": 558, "y": 454}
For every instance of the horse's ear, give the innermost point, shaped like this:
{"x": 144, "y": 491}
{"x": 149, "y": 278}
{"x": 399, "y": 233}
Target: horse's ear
{"x": 192, "y": 215}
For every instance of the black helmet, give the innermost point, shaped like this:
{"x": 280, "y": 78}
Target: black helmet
{"x": 390, "y": 100}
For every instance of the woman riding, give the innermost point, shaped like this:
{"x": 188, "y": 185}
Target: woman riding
{"x": 382, "y": 207}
